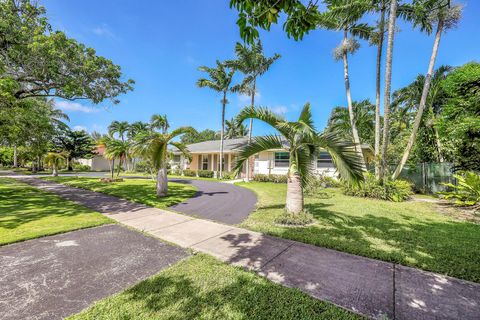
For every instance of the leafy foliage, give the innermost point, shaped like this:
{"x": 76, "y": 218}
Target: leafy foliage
{"x": 275, "y": 178}
{"x": 74, "y": 144}
{"x": 467, "y": 190}
{"x": 392, "y": 190}
{"x": 195, "y": 136}
{"x": 205, "y": 173}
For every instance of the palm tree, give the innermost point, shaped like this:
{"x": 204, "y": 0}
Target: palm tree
{"x": 302, "y": 142}
{"x": 364, "y": 118}
{"x": 116, "y": 149}
{"x": 446, "y": 18}
{"x": 220, "y": 79}
{"x": 347, "y": 21}
{"x": 137, "y": 127}
{"x": 54, "y": 160}
{"x": 157, "y": 121}
{"x": 118, "y": 127}
{"x": 235, "y": 129}
{"x": 153, "y": 146}
{"x": 252, "y": 63}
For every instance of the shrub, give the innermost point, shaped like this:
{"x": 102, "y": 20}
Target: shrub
{"x": 467, "y": 192}
{"x": 189, "y": 173}
{"x": 298, "y": 219}
{"x": 205, "y": 173}
{"x": 392, "y": 190}
{"x": 142, "y": 166}
{"x": 228, "y": 175}
{"x": 275, "y": 178}
{"x": 81, "y": 167}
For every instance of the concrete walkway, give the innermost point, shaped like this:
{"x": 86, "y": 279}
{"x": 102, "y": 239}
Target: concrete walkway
{"x": 57, "y": 276}
{"x": 369, "y": 287}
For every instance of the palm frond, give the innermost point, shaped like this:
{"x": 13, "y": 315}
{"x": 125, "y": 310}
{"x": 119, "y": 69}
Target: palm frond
{"x": 257, "y": 145}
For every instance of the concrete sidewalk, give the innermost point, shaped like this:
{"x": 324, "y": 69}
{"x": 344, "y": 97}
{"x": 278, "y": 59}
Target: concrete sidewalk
{"x": 366, "y": 286}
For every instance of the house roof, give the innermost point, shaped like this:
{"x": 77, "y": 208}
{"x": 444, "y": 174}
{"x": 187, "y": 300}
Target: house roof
{"x": 229, "y": 145}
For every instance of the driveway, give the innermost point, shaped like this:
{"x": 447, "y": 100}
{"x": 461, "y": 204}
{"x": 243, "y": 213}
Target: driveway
{"x": 222, "y": 202}
{"x": 57, "y": 276}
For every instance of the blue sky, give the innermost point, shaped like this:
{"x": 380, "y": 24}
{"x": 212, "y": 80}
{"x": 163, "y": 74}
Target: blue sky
{"x": 160, "y": 44}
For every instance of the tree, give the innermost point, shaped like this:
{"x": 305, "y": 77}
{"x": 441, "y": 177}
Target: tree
{"x": 116, "y": 149}
{"x": 446, "y": 18}
{"x": 196, "y": 137}
{"x": 302, "y": 142}
{"x": 235, "y": 129}
{"x": 159, "y": 122}
{"x": 54, "y": 160}
{"x": 137, "y": 127}
{"x": 348, "y": 23}
{"x": 73, "y": 144}
{"x": 153, "y": 146}
{"x": 120, "y": 128}
{"x": 364, "y": 117}
{"x": 220, "y": 80}
{"x": 36, "y": 61}
{"x": 460, "y": 117}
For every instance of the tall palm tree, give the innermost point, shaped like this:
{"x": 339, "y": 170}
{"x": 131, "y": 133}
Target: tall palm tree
{"x": 153, "y": 146}
{"x": 364, "y": 118}
{"x": 118, "y": 127}
{"x": 446, "y": 18}
{"x": 220, "y": 80}
{"x": 116, "y": 149}
{"x": 137, "y": 127}
{"x": 157, "y": 121}
{"x": 347, "y": 22}
{"x": 252, "y": 62}
{"x": 54, "y": 160}
{"x": 302, "y": 142}
{"x": 235, "y": 129}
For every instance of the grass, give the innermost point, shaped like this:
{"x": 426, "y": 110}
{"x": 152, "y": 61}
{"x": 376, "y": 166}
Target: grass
{"x": 408, "y": 233}
{"x": 201, "y": 287}
{"x": 173, "y": 176}
{"x": 137, "y": 190}
{"x": 27, "y": 213}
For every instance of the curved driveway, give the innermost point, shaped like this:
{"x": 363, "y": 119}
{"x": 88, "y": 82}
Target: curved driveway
{"x": 222, "y": 202}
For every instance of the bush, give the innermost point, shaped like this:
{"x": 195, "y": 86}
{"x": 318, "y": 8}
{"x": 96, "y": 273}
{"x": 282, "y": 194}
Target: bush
{"x": 205, "y": 173}
{"x": 467, "y": 192}
{"x": 81, "y": 167}
{"x": 275, "y": 178}
{"x": 228, "y": 175}
{"x": 299, "y": 219}
{"x": 189, "y": 173}
{"x": 142, "y": 166}
{"x": 391, "y": 190}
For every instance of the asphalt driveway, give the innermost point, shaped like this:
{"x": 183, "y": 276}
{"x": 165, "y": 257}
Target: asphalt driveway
{"x": 57, "y": 276}
{"x": 221, "y": 202}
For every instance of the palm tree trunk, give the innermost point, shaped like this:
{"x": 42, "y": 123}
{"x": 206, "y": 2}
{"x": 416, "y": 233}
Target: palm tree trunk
{"x": 250, "y": 129}
{"x": 222, "y": 132}
{"x": 388, "y": 83}
{"x": 162, "y": 182}
{"x": 55, "y": 171}
{"x": 423, "y": 101}
{"x": 119, "y": 166}
{"x": 381, "y": 30}
{"x": 356, "y": 138}
{"x": 15, "y": 156}
{"x": 294, "y": 201}
{"x": 113, "y": 167}
{"x": 439, "y": 144}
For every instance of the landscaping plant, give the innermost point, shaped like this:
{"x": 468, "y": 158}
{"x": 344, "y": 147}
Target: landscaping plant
{"x": 467, "y": 190}
{"x": 391, "y": 190}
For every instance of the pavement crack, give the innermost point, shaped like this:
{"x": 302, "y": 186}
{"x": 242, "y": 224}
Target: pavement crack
{"x": 276, "y": 256}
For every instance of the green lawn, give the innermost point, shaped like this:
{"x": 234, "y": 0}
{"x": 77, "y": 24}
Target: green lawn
{"x": 137, "y": 190}
{"x": 26, "y": 213}
{"x": 201, "y": 287}
{"x": 143, "y": 174}
{"x": 409, "y": 233}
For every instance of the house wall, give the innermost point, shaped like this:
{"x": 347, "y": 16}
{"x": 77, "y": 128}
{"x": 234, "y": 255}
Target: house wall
{"x": 99, "y": 163}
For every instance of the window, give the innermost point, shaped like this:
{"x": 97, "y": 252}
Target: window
{"x": 176, "y": 158}
{"x": 205, "y": 162}
{"x": 323, "y": 159}
{"x": 282, "y": 159}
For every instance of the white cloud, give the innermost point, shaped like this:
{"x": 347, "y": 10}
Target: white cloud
{"x": 80, "y": 128}
{"x": 103, "y": 31}
{"x": 280, "y": 109}
{"x": 75, "y": 106}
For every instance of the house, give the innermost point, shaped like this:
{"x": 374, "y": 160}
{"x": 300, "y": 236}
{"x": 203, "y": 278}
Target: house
{"x": 205, "y": 156}
{"x": 99, "y": 163}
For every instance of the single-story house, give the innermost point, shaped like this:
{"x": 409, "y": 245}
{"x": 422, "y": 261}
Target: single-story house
{"x": 99, "y": 163}
{"x": 205, "y": 156}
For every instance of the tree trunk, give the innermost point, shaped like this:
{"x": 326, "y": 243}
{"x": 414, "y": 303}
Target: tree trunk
{"x": 113, "y": 167}
{"x": 162, "y": 182}
{"x": 69, "y": 163}
{"x": 222, "y": 134}
{"x": 381, "y": 31}
{"x": 388, "y": 83}
{"x": 250, "y": 129}
{"x": 356, "y": 138}
{"x": 439, "y": 145}
{"x": 119, "y": 166}
{"x": 55, "y": 171}
{"x": 15, "y": 157}
{"x": 423, "y": 101}
{"x": 294, "y": 202}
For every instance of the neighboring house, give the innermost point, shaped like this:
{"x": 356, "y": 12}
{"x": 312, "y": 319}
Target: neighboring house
{"x": 205, "y": 156}
{"x": 99, "y": 163}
